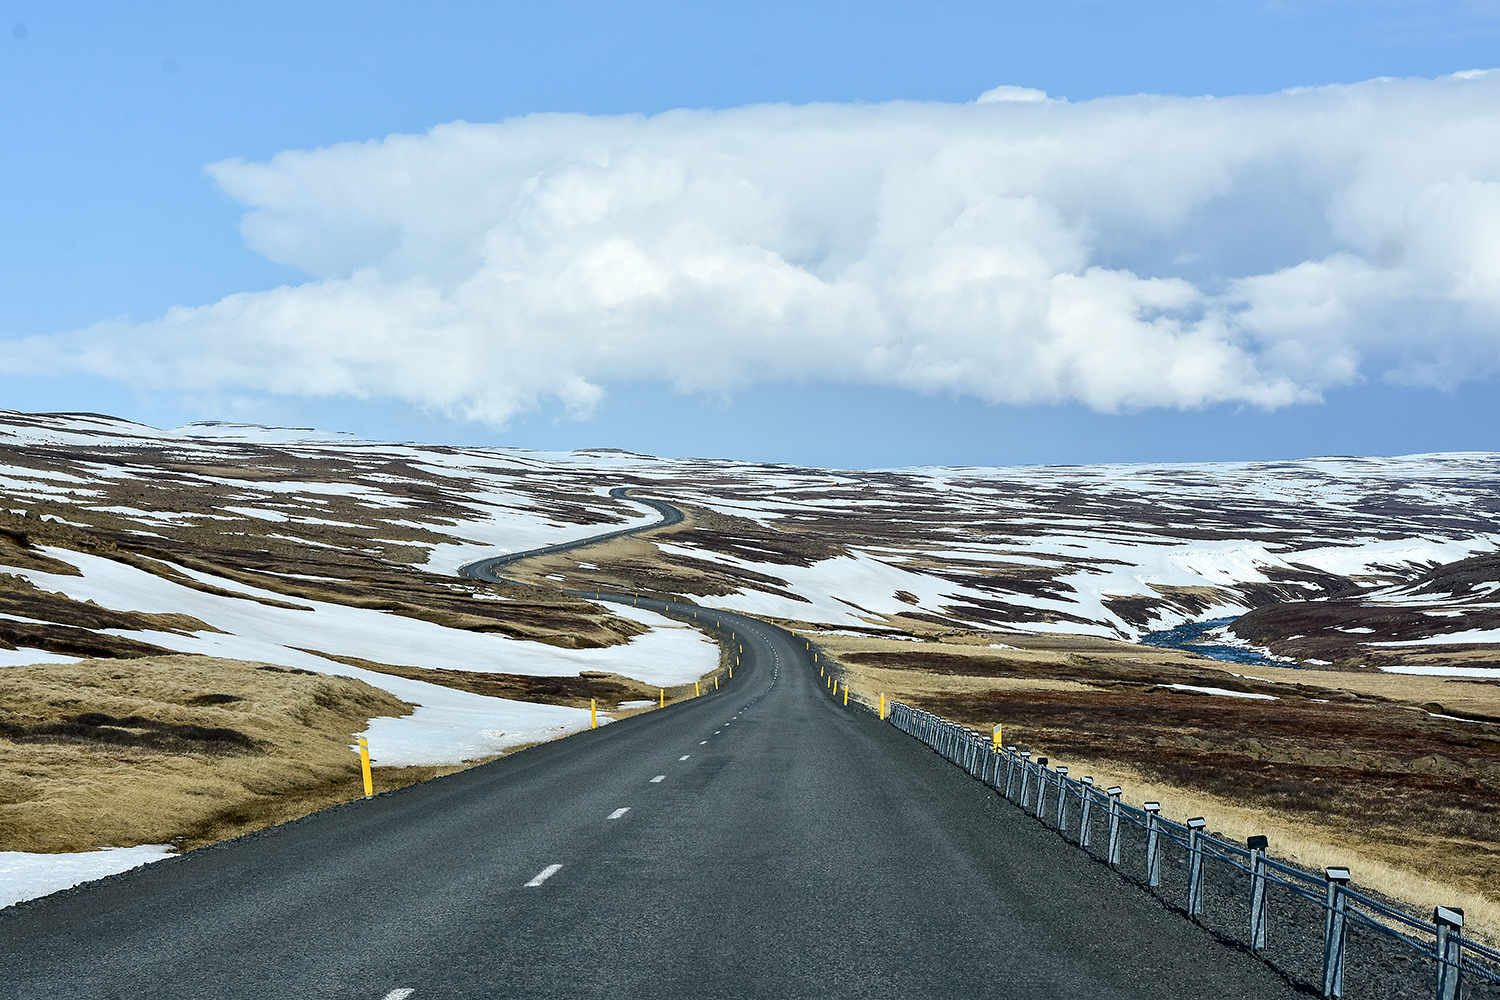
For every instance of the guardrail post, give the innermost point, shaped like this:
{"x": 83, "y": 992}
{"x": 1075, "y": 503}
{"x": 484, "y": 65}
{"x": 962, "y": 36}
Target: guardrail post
{"x": 1062, "y": 799}
{"x": 1085, "y": 807}
{"x": 1025, "y": 778}
{"x": 1153, "y": 844}
{"x": 1450, "y": 934}
{"x": 1195, "y": 865}
{"x": 1257, "y": 845}
{"x": 1335, "y": 903}
{"x": 1113, "y": 791}
{"x": 1010, "y": 769}
{"x": 1041, "y": 785}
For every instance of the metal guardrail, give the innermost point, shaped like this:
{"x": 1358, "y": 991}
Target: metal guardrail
{"x": 1077, "y": 810}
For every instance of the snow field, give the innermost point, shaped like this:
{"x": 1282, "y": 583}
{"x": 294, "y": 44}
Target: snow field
{"x": 449, "y": 726}
{"x": 28, "y": 876}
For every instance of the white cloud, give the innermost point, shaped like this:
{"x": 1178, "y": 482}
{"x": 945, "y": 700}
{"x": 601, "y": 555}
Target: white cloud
{"x": 1124, "y": 252}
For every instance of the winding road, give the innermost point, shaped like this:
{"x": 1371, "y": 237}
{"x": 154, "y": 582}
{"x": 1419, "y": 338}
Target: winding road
{"x": 762, "y": 840}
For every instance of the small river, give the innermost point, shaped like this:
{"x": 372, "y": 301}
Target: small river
{"x": 1188, "y": 637}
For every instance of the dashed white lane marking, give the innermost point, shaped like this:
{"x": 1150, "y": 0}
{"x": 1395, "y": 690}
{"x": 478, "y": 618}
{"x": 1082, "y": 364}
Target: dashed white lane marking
{"x": 683, "y": 757}
{"x": 400, "y": 994}
{"x": 543, "y": 875}
{"x": 658, "y": 779}
{"x": 703, "y": 743}
{"x": 618, "y": 812}
{"x": 718, "y": 731}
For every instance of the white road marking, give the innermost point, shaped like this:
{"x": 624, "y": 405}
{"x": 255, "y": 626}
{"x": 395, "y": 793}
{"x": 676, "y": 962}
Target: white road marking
{"x": 543, "y": 875}
{"x": 400, "y": 994}
{"x": 618, "y": 812}
{"x": 718, "y": 731}
{"x": 658, "y": 779}
{"x": 703, "y": 743}
{"x": 683, "y": 757}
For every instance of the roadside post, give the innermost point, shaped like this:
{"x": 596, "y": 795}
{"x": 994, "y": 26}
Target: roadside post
{"x": 997, "y": 738}
{"x": 593, "y": 713}
{"x": 1153, "y": 843}
{"x": 1061, "y": 819}
{"x": 663, "y": 697}
{"x": 1195, "y": 865}
{"x": 1450, "y": 932}
{"x": 1085, "y": 807}
{"x": 1334, "y": 924}
{"x": 1114, "y": 792}
{"x": 364, "y": 766}
{"x": 1257, "y": 845}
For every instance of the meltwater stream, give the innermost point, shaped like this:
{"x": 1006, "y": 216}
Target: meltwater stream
{"x": 1187, "y": 637}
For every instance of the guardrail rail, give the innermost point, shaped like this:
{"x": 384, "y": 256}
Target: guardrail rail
{"x": 1236, "y": 891}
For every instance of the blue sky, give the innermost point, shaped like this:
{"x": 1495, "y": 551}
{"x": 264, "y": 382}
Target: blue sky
{"x": 111, "y": 117}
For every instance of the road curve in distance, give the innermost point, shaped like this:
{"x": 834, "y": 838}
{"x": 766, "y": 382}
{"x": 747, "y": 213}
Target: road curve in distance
{"x": 488, "y": 569}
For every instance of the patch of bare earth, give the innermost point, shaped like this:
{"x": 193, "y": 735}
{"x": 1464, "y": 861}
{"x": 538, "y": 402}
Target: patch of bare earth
{"x": 186, "y": 750}
{"x": 1397, "y": 776}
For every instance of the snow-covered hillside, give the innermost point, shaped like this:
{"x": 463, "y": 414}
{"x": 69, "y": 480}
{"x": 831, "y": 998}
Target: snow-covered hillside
{"x": 284, "y": 541}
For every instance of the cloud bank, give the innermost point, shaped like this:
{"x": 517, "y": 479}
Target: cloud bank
{"x": 1124, "y": 253}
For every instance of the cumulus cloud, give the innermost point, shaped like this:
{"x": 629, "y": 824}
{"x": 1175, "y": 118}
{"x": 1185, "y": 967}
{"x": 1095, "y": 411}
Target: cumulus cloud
{"x": 1124, "y": 252}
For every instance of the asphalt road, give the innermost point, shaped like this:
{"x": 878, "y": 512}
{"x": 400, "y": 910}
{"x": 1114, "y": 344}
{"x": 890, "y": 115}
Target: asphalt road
{"x": 760, "y": 841}
{"x": 489, "y": 569}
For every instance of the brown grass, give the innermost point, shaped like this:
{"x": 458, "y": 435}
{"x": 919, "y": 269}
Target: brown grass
{"x": 187, "y": 750}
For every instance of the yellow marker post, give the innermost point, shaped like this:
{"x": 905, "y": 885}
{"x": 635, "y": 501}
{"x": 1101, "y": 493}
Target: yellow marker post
{"x": 846, "y": 694}
{"x": 716, "y": 682}
{"x": 593, "y": 713}
{"x": 731, "y": 673}
{"x": 663, "y": 697}
{"x": 998, "y": 739}
{"x": 696, "y": 689}
{"x": 364, "y": 766}
{"x": 882, "y": 706}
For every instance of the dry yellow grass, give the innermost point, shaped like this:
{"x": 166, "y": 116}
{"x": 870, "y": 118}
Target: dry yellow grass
{"x": 186, "y": 750}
